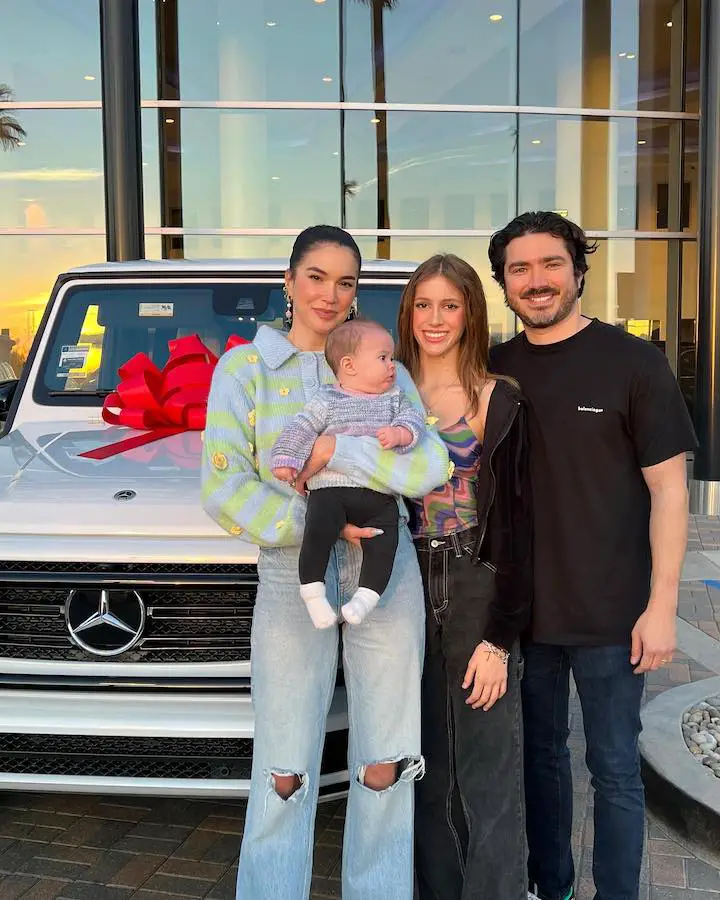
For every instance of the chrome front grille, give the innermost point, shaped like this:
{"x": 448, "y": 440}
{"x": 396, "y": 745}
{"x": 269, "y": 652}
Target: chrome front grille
{"x": 100, "y": 756}
{"x": 29, "y": 569}
{"x": 104, "y": 756}
{"x": 188, "y": 619}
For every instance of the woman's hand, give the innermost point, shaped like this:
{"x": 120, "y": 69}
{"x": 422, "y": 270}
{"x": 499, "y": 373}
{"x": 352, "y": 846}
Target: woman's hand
{"x": 353, "y": 534}
{"x": 322, "y": 452}
{"x": 487, "y": 673}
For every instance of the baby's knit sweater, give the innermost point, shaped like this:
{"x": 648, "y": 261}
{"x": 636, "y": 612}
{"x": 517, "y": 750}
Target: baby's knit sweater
{"x": 335, "y": 411}
{"x": 256, "y": 391}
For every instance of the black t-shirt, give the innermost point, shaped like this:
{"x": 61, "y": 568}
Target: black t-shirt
{"x": 602, "y": 405}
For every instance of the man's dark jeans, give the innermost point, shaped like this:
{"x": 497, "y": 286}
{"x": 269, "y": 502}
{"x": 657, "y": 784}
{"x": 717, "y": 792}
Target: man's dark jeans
{"x": 469, "y": 821}
{"x": 610, "y": 695}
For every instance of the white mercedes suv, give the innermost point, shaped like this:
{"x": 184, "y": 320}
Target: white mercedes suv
{"x": 125, "y": 611}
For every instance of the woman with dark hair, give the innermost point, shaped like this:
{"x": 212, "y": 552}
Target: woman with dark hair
{"x": 256, "y": 391}
{"x": 473, "y": 541}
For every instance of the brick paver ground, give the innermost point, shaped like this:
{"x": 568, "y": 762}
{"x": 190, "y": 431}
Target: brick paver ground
{"x": 71, "y": 847}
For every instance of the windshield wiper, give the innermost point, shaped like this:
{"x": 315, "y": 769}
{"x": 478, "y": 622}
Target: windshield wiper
{"x": 99, "y": 393}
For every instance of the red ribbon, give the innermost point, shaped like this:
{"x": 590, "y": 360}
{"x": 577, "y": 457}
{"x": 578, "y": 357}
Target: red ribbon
{"x": 161, "y": 402}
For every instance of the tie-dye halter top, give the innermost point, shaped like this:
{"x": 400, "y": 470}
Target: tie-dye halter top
{"x": 453, "y": 506}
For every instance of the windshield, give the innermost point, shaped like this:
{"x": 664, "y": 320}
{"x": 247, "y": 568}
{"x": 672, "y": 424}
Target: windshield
{"x": 100, "y": 327}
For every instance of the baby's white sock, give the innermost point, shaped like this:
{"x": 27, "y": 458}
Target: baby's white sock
{"x": 363, "y": 602}
{"x": 321, "y": 613}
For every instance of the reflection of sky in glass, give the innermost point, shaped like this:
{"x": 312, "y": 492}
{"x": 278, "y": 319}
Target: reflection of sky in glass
{"x": 56, "y": 179}
{"x": 451, "y": 171}
{"x": 229, "y": 51}
{"x": 29, "y": 267}
{"x": 437, "y": 51}
{"x": 259, "y": 169}
{"x": 624, "y": 46}
{"x": 48, "y": 47}
{"x": 595, "y": 170}
{"x": 151, "y": 167}
{"x": 282, "y": 168}
{"x": 148, "y": 51}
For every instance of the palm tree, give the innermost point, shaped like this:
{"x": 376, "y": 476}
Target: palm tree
{"x": 12, "y": 133}
{"x": 381, "y": 149}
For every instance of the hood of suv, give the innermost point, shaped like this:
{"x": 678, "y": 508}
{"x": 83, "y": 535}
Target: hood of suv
{"x": 46, "y": 487}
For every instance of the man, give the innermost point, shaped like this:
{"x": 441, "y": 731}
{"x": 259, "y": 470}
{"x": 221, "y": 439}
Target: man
{"x": 608, "y": 431}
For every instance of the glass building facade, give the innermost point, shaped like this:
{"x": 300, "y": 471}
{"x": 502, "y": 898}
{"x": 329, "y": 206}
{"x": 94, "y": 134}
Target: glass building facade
{"x": 420, "y": 125}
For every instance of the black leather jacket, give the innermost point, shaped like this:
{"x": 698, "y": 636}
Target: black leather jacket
{"x": 505, "y": 515}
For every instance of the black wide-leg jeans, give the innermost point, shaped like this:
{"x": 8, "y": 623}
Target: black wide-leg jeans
{"x": 469, "y": 821}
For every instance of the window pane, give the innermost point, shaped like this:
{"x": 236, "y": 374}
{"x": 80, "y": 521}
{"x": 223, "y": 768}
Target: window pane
{"x": 50, "y": 49}
{"x": 249, "y": 247}
{"x": 605, "y": 174}
{"x": 688, "y": 323}
{"x": 151, "y": 168}
{"x": 606, "y": 54}
{"x": 257, "y": 50}
{"x": 627, "y": 286}
{"x": 148, "y": 50}
{"x": 55, "y": 180}
{"x": 444, "y": 170}
{"x": 258, "y": 168}
{"x": 692, "y": 57}
{"x": 474, "y": 250}
{"x": 432, "y": 51}
{"x": 692, "y": 175}
{"x": 29, "y": 267}
{"x": 153, "y": 246}
{"x": 99, "y": 328}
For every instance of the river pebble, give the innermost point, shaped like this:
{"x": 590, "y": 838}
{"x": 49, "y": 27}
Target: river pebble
{"x": 701, "y": 731}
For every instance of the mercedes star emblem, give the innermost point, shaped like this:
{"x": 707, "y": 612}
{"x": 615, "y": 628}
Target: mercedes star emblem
{"x": 105, "y": 622}
{"x": 124, "y": 496}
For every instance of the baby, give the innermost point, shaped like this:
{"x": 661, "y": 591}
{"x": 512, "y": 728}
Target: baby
{"x": 364, "y": 401}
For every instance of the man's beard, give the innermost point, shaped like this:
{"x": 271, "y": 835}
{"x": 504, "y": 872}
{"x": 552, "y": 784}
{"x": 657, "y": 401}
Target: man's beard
{"x": 545, "y": 318}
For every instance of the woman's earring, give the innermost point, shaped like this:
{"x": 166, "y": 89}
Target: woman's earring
{"x": 353, "y": 311}
{"x": 288, "y": 307}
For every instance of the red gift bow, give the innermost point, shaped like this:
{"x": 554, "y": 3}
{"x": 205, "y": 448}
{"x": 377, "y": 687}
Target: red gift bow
{"x": 182, "y": 450}
{"x": 161, "y": 402}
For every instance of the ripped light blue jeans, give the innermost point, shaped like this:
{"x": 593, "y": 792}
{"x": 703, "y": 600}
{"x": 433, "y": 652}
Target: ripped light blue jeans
{"x": 294, "y": 667}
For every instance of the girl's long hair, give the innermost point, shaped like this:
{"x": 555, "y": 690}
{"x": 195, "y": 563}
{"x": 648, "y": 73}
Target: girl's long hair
{"x": 474, "y": 349}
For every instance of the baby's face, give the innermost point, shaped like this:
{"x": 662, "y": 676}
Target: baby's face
{"x": 372, "y": 364}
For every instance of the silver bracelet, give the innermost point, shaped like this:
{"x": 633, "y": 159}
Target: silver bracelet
{"x": 496, "y": 651}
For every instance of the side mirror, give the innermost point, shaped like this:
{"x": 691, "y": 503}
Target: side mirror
{"x": 7, "y": 392}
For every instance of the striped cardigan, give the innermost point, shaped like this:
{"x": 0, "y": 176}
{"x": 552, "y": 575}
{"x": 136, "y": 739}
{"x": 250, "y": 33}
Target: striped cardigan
{"x": 256, "y": 391}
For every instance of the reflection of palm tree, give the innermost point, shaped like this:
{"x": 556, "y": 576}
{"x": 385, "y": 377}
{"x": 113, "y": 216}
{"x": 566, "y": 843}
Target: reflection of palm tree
{"x": 383, "y": 212}
{"x": 12, "y": 133}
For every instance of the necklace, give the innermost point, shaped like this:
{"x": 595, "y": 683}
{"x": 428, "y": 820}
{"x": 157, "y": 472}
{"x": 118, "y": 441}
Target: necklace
{"x": 432, "y": 407}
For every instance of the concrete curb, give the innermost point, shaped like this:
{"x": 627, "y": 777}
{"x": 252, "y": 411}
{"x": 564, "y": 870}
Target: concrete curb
{"x": 679, "y": 789}
{"x": 698, "y": 646}
{"x": 701, "y": 565}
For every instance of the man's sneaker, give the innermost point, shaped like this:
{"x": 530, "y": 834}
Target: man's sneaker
{"x": 533, "y": 896}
